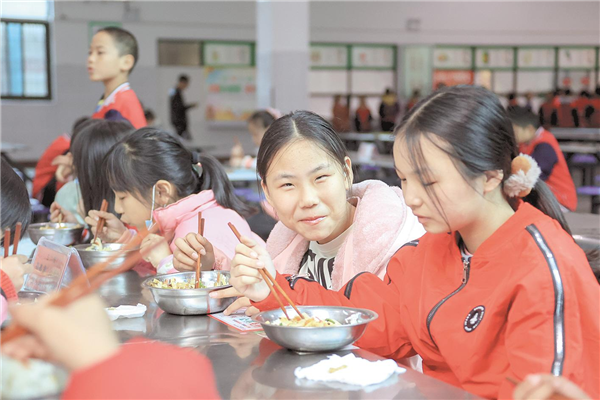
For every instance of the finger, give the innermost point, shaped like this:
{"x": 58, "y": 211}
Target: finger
{"x": 184, "y": 260}
{"x": 186, "y": 248}
{"x": 236, "y": 305}
{"x": 247, "y": 241}
{"x": 21, "y": 258}
{"x": 251, "y": 310}
{"x": 244, "y": 270}
{"x": 248, "y": 280}
{"x": 248, "y": 262}
{"x": 225, "y": 293}
{"x": 245, "y": 251}
{"x": 91, "y": 221}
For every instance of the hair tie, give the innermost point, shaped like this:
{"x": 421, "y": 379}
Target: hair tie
{"x": 198, "y": 168}
{"x": 524, "y": 174}
{"x": 195, "y": 157}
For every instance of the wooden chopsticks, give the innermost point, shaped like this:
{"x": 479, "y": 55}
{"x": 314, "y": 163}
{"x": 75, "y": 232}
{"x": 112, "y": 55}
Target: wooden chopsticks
{"x": 86, "y": 283}
{"x": 198, "y": 263}
{"x": 271, "y": 282}
{"x": 7, "y": 239}
{"x": 101, "y": 221}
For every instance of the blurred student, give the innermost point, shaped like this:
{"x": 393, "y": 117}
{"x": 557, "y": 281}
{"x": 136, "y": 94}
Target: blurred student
{"x": 179, "y": 107}
{"x": 389, "y": 110}
{"x": 112, "y": 56}
{"x": 540, "y": 144}
{"x": 363, "y": 117}
{"x": 257, "y": 124}
{"x": 414, "y": 99}
{"x": 341, "y": 115}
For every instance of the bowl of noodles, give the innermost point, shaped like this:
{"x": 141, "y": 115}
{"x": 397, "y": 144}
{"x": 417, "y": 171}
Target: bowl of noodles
{"x": 64, "y": 233}
{"x": 94, "y": 253}
{"x": 323, "y": 328}
{"x": 176, "y": 293}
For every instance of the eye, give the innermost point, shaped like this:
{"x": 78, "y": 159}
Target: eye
{"x": 322, "y": 176}
{"x": 427, "y": 184}
{"x": 286, "y": 185}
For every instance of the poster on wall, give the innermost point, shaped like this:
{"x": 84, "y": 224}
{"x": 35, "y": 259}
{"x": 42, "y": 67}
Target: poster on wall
{"x": 328, "y": 56}
{"x": 452, "y": 78}
{"x": 576, "y": 57}
{"x": 494, "y": 58}
{"x": 535, "y": 57}
{"x": 230, "y": 93}
{"x": 230, "y": 54}
{"x": 373, "y": 57}
{"x": 417, "y": 69}
{"x": 452, "y": 58}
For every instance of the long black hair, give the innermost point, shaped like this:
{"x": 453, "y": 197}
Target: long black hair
{"x": 89, "y": 147}
{"x": 299, "y": 125}
{"x": 262, "y": 117}
{"x": 476, "y": 133}
{"x": 14, "y": 205}
{"x": 138, "y": 161}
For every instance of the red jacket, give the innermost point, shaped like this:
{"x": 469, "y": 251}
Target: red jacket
{"x": 526, "y": 303}
{"x": 146, "y": 371}
{"x": 560, "y": 180}
{"x": 122, "y": 104}
{"x": 44, "y": 170}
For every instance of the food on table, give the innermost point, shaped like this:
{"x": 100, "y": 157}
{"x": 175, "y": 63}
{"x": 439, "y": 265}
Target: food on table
{"x": 306, "y": 322}
{"x": 59, "y": 226}
{"x": 173, "y": 283}
{"x": 96, "y": 245}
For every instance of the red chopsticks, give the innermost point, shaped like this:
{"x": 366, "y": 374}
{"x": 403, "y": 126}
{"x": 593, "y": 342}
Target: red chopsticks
{"x": 86, "y": 284}
{"x": 7, "y": 239}
{"x": 271, "y": 282}
{"x": 198, "y": 263}
{"x": 101, "y": 221}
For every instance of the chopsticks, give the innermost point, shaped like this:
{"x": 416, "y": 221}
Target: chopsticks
{"x": 512, "y": 380}
{"x": 101, "y": 221}
{"x": 6, "y": 242}
{"x": 198, "y": 263}
{"x": 271, "y": 282}
{"x": 96, "y": 276}
{"x": 17, "y": 237}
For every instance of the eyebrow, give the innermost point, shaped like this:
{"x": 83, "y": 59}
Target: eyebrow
{"x": 314, "y": 170}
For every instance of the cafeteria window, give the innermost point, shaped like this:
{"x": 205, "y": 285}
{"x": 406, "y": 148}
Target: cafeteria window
{"x": 25, "y": 60}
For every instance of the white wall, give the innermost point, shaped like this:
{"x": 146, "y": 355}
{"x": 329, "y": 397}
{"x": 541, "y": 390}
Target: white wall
{"x": 475, "y": 23}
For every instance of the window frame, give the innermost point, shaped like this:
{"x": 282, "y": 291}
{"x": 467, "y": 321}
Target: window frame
{"x": 24, "y": 97}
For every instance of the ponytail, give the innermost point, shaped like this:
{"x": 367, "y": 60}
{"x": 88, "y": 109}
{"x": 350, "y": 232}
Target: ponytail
{"x": 213, "y": 177}
{"x": 542, "y": 198}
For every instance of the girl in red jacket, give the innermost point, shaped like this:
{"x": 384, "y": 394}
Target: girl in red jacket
{"x": 497, "y": 287}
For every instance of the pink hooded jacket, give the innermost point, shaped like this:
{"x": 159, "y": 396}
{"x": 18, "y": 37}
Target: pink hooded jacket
{"x": 382, "y": 224}
{"x": 178, "y": 219}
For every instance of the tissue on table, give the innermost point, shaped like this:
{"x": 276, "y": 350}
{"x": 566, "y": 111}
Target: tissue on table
{"x": 126, "y": 311}
{"x": 350, "y": 369}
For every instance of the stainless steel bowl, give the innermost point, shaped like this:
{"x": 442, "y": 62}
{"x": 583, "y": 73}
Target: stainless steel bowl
{"x": 64, "y": 233}
{"x": 189, "y": 301}
{"x": 354, "y": 322}
{"x": 91, "y": 257}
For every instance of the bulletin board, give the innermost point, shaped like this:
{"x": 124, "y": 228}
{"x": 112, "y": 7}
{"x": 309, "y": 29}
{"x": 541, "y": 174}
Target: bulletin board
{"x": 453, "y": 58}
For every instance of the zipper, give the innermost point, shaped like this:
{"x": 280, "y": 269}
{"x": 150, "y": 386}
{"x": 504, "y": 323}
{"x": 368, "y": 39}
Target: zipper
{"x": 465, "y": 278}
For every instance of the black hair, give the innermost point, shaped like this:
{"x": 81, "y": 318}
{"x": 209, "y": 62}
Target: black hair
{"x": 522, "y": 117}
{"x": 476, "y": 133}
{"x": 299, "y": 125}
{"x": 567, "y": 92}
{"x": 89, "y": 148}
{"x": 149, "y": 114}
{"x": 597, "y": 91}
{"x": 512, "y": 96}
{"x": 125, "y": 42}
{"x": 14, "y": 206}
{"x": 141, "y": 159}
{"x": 585, "y": 93}
{"x": 78, "y": 123}
{"x": 262, "y": 117}
{"x": 184, "y": 78}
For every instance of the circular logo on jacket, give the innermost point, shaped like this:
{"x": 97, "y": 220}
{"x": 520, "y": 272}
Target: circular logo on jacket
{"x": 474, "y": 318}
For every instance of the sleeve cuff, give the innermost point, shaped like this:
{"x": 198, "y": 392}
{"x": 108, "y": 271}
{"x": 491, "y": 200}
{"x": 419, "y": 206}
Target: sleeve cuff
{"x": 7, "y": 286}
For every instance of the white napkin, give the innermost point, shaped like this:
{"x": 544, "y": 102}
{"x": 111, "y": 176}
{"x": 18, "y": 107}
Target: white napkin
{"x": 126, "y": 311}
{"x": 350, "y": 369}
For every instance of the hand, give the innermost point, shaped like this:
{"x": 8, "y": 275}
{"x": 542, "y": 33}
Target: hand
{"x": 56, "y": 210}
{"x": 15, "y": 268}
{"x": 241, "y": 302}
{"x": 187, "y": 250}
{"x": 76, "y": 336}
{"x": 113, "y": 227}
{"x": 65, "y": 167}
{"x": 154, "y": 248}
{"x": 245, "y": 277}
{"x": 548, "y": 387}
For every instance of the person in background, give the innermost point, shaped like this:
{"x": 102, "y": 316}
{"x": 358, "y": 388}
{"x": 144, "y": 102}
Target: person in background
{"x": 341, "y": 115}
{"x": 257, "y": 123}
{"x": 179, "y": 107}
{"x": 112, "y": 56}
{"x": 80, "y": 338}
{"x": 45, "y": 184}
{"x": 414, "y": 99}
{"x": 547, "y": 111}
{"x": 595, "y": 117}
{"x": 540, "y": 144}
{"x": 529, "y": 97}
{"x": 151, "y": 119}
{"x": 564, "y": 110}
{"x": 389, "y": 110}
{"x": 496, "y": 288}
{"x": 15, "y": 208}
{"x": 582, "y": 110}
{"x": 363, "y": 117}
{"x": 513, "y": 103}
{"x": 77, "y": 199}
{"x": 548, "y": 387}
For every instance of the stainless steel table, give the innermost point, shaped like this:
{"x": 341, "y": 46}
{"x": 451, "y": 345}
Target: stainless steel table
{"x": 249, "y": 366}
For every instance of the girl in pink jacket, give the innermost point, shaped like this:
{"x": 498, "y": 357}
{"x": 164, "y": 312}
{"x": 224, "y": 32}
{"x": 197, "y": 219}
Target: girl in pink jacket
{"x": 329, "y": 230}
{"x": 158, "y": 181}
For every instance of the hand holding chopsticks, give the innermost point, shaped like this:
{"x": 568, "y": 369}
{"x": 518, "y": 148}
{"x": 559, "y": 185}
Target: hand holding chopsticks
{"x": 7, "y": 239}
{"x": 198, "y": 261}
{"x": 101, "y": 221}
{"x": 272, "y": 283}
